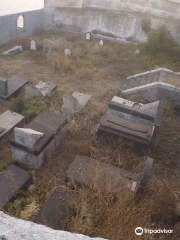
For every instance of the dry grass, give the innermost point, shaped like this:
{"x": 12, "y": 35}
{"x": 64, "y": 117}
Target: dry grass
{"x": 99, "y": 71}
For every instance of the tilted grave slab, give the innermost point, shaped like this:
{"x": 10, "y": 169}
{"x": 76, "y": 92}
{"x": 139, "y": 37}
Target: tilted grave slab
{"x": 135, "y": 121}
{"x": 51, "y": 130}
{"x": 8, "y": 121}
{"x": 11, "y": 87}
{"x": 59, "y": 207}
{"x": 12, "y": 180}
{"x": 96, "y": 174}
{"x": 46, "y": 88}
{"x": 14, "y": 50}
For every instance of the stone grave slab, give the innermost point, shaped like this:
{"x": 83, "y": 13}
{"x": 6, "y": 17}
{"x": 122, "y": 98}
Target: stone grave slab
{"x": 54, "y": 129}
{"x": 14, "y": 50}
{"x": 3, "y": 86}
{"x": 8, "y": 121}
{"x": 32, "y": 91}
{"x": 57, "y": 210}
{"x": 14, "y": 85}
{"x": 12, "y": 180}
{"x": 88, "y": 36}
{"x": 46, "y": 89}
{"x": 95, "y": 174}
{"x": 70, "y": 104}
{"x": 47, "y": 50}
{"x": 82, "y": 98}
{"x": 33, "y": 45}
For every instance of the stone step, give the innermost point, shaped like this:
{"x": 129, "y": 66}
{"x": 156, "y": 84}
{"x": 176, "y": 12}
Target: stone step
{"x": 137, "y": 82}
{"x": 124, "y": 87}
{"x": 131, "y": 83}
{"x": 57, "y": 210}
{"x": 12, "y": 180}
{"x": 150, "y": 78}
{"x": 162, "y": 76}
{"x": 143, "y": 80}
{"x": 156, "y": 77}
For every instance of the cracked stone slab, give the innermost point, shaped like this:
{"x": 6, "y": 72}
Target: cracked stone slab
{"x": 14, "y": 50}
{"x": 46, "y": 88}
{"x": 82, "y": 98}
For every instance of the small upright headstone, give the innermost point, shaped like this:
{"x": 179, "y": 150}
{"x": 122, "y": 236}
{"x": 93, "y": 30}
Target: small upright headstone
{"x": 101, "y": 42}
{"x": 88, "y": 36}
{"x": 67, "y": 52}
{"x": 33, "y": 45}
{"x": 27, "y": 137}
{"x": 3, "y": 86}
{"x": 47, "y": 50}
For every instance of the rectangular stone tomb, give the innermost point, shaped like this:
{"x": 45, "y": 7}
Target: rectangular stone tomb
{"x": 40, "y": 136}
{"x": 95, "y": 174}
{"x": 135, "y": 121}
{"x": 11, "y": 87}
{"x": 13, "y": 50}
{"x": 59, "y": 207}
{"x": 8, "y": 121}
{"x": 12, "y": 180}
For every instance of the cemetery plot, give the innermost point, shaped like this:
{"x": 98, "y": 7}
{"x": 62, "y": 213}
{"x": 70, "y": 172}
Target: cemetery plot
{"x": 8, "y": 121}
{"x": 95, "y": 174}
{"x": 41, "y": 135}
{"x": 11, "y": 87}
{"x": 131, "y": 120}
{"x": 12, "y": 180}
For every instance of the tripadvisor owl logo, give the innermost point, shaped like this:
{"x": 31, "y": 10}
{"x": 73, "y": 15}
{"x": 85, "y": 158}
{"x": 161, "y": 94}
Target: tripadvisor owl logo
{"x": 138, "y": 231}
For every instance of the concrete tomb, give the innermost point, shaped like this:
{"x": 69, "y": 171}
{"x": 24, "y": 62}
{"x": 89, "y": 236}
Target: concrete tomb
{"x": 8, "y": 121}
{"x": 32, "y": 91}
{"x": 13, "y": 50}
{"x": 135, "y": 121}
{"x": 73, "y": 104}
{"x": 46, "y": 89}
{"x": 95, "y": 174}
{"x": 12, "y": 180}
{"x": 11, "y": 87}
{"x": 101, "y": 42}
{"x": 67, "y": 52}
{"x": 47, "y": 50}
{"x": 57, "y": 210}
{"x": 88, "y": 36}
{"x": 40, "y": 136}
{"x": 33, "y": 45}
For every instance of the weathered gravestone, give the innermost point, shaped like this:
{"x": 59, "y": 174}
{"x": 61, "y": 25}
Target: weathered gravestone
{"x": 67, "y": 52}
{"x": 47, "y": 50}
{"x": 46, "y": 89}
{"x": 33, "y": 45}
{"x": 12, "y": 180}
{"x": 13, "y": 50}
{"x": 32, "y": 91}
{"x": 41, "y": 136}
{"x": 101, "y": 42}
{"x": 8, "y": 121}
{"x": 3, "y": 86}
{"x": 88, "y": 36}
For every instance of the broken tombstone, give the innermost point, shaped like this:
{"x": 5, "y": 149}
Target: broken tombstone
{"x": 88, "y": 36}
{"x": 11, "y": 87}
{"x": 8, "y": 121}
{"x": 100, "y": 175}
{"x": 101, "y": 42}
{"x": 12, "y": 180}
{"x": 13, "y": 50}
{"x": 41, "y": 136}
{"x": 32, "y": 91}
{"x": 33, "y": 45}
{"x": 46, "y": 89}
{"x": 67, "y": 52}
{"x": 47, "y": 50}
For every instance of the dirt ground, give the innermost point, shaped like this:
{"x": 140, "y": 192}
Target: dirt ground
{"x": 99, "y": 71}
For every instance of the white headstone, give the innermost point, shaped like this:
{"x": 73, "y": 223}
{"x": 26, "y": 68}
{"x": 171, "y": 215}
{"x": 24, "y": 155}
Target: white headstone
{"x": 67, "y": 52}
{"x": 101, "y": 42}
{"x": 27, "y": 137}
{"x": 33, "y": 45}
{"x": 88, "y": 36}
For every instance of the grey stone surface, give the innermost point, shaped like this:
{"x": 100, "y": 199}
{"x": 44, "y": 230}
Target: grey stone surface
{"x": 82, "y": 98}
{"x": 17, "y": 229}
{"x": 67, "y": 52}
{"x": 33, "y": 45}
{"x": 32, "y": 91}
{"x": 70, "y": 104}
{"x": 47, "y": 89}
{"x": 12, "y": 180}
{"x": 88, "y": 36}
{"x": 8, "y": 121}
{"x": 3, "y": 86}
{"x": 47, "y": 50}
{"x": 27, "y": 137}
{"x": 150, "y": 108}
{"x": 13, "y": 50}
{"x": 101, "y": 42}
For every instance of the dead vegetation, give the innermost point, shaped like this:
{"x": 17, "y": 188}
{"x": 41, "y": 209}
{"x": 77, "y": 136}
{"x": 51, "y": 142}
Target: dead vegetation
{"x": 99, "y": 71}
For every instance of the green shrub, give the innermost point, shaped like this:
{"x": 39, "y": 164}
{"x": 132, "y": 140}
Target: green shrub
{"x": 145, "y": 25}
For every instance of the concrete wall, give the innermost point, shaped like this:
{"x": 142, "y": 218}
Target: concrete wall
{"x": 64, "y": 3}
{"x": 123, "y": 24}
{"x": 8, "y": 25}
